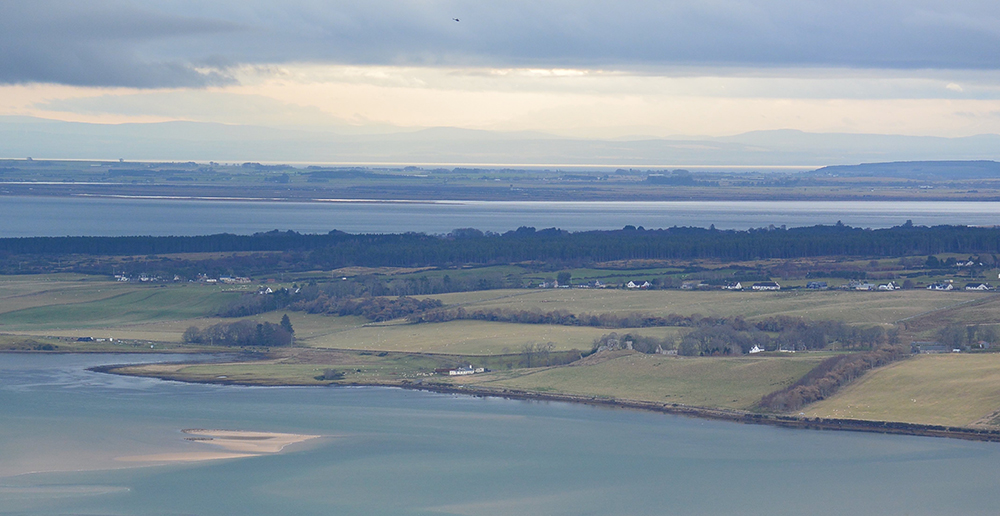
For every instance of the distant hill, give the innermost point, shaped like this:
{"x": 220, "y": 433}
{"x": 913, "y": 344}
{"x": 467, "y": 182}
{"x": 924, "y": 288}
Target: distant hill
{"x": 21, "y": 137}
{"x": 926, "y": 170}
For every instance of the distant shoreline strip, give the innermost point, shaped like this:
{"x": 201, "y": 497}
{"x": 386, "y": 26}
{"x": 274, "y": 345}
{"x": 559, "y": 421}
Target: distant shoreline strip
{"x": 733, "y": 416}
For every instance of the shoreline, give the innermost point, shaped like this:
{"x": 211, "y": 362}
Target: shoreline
{"x": 715, "y": 414}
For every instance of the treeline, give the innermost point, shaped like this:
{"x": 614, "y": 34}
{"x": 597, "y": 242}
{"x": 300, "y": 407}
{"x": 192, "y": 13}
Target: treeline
{"x": 641, "y": 343}
{"x": 339, "y": 249}
{"x": 830, "y": 375}
{"x": 253, "y": 303}
{"x": 712, "y": 336}
{"x": 241, "y": 333}
{"x": 563, "y": 318}
{"x": 329, "y": 297}
{"x": 736, "y": 336}
{"x": 377, "y": 309}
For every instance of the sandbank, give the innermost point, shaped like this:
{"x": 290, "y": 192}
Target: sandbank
{"x": 240, "y": 441}
{"x": 235, "y": 444}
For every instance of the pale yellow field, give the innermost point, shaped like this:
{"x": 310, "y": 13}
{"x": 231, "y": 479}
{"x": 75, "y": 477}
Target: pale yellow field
{"x": 853, "y": 307}
{"x": 950, "y": 389}
{"x": 737, "y": 383}
{"x": 467, "y": 337}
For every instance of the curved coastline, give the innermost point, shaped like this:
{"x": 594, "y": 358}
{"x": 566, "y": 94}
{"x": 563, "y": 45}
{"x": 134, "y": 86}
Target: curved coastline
{"x": 717, "y": 414}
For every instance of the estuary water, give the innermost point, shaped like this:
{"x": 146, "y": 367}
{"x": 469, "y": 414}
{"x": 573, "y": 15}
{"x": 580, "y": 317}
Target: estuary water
{"x": 397, "y": 452}
{"x": 89, "y": 216}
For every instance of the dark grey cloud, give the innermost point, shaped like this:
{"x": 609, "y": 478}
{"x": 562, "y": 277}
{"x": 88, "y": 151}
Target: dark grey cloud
{"x": 101, "y": 43}
{"x": 172, "y": 42}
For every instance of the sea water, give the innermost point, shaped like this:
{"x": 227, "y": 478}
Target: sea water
{"x": 400, "y": 452}
{"x": 83, "y": 216}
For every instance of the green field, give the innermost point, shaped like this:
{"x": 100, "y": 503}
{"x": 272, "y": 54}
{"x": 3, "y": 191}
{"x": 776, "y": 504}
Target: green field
{"x": 137, "y": 304}
{"x": 298, "y": 370}
{"x": 31, "y": 291}
{"x": 736, "y": 383}
{"x": 950, "y": 389}
{"x": 853, "y": 307}
{"x": 49, "y": 312}
{"x": 467, "y": 337}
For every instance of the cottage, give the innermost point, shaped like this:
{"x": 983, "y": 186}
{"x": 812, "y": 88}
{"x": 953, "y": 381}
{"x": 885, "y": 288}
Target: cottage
{"x": 766, "y": 285}
{"x": 940, "y": 286}
{"x": 928, "y": 347}
{"x": 889, "y": 286}
{"x": 733, "y": 286}
{"x": 632, "y": 284}
{"x": 756, "y": 349}
{"x": 977, "y": 286}
{"x": 466, "y": 370}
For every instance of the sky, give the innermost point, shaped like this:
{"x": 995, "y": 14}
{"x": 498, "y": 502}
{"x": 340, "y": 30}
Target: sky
{"x": 580, "y": 68}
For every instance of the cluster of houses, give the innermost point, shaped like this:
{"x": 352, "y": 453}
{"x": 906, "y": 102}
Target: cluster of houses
{"x": 760, "y": 285}
{"x": 227, "y": 280}
{"x": 862, "y": 285}
{"x": 948, "y": 285}
{"x": 121, "y": 277}
{"x": 757, "y": 349}
{"x": 202, "y": 278}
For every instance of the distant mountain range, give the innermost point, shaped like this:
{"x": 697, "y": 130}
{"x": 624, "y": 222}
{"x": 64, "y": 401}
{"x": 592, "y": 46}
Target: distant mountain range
{"x": 196, "y": 141}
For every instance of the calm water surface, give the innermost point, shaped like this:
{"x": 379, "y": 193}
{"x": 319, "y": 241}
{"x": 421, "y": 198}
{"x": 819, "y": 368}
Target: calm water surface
{"x": 80, "y": 216}
{"x": 395, "y": 452}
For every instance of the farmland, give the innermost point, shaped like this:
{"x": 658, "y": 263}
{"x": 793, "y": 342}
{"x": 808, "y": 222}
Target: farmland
{"x": 51, "y": 312}
{"x": 950, "y": 389}
{"x": 736, "y": 383}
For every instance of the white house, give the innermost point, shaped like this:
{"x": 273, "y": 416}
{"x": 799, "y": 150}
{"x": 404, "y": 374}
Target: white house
{"x": 977, "y": 286}
{"x": 756, "y": 349}
{"x": 889, "y": 286}
{"x": 766, "y": 285}
{"x": 940, "y": 286}
{"x": 733, "y": 286}
{"x": 632, "y": 284}
{"x": 466, "y": 370}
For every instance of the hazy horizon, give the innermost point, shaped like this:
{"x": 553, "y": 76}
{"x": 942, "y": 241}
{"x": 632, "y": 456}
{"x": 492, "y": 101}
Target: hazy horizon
{"x": 554, "y": 70}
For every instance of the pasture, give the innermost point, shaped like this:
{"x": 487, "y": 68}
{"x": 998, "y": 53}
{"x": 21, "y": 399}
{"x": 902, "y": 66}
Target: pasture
{"x": 729, "y": 382}
{"x": 849, "y": 306}
{"x": 949, "y": 389}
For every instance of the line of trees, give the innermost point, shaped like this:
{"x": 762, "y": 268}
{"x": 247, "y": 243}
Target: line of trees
{"x": 563, "y": 318}
{"x": 242, "y": 333}
{"x": 376, "y": 309}
{"x": 737, "y": 336}
{"x": 829, "y": 376}
{"x": 338, "y": 249}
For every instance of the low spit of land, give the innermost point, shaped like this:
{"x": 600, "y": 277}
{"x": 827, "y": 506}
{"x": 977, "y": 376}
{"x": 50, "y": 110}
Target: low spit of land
{"x": 51, "y": 313}
{"x": 226, "y": 444}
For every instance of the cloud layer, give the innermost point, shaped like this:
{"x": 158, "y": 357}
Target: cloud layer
{"x": 178, "y": 43}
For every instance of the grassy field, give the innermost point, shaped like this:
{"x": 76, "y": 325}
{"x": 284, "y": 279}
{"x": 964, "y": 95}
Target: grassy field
{"x": 736, "y": 383}
{"x": 308, "y": 367}
{"x": 31, "y": 291}
{"x": 67, "y": 308}
{"x": 951, "y": 389}
{"x": 853, "y": 307}
{"x": 291, "y": 371}
{"x": 467, "y": 337}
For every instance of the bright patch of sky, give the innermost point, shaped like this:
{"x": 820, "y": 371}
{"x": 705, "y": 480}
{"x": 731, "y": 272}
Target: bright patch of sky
{"x": 567, "y": 67}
